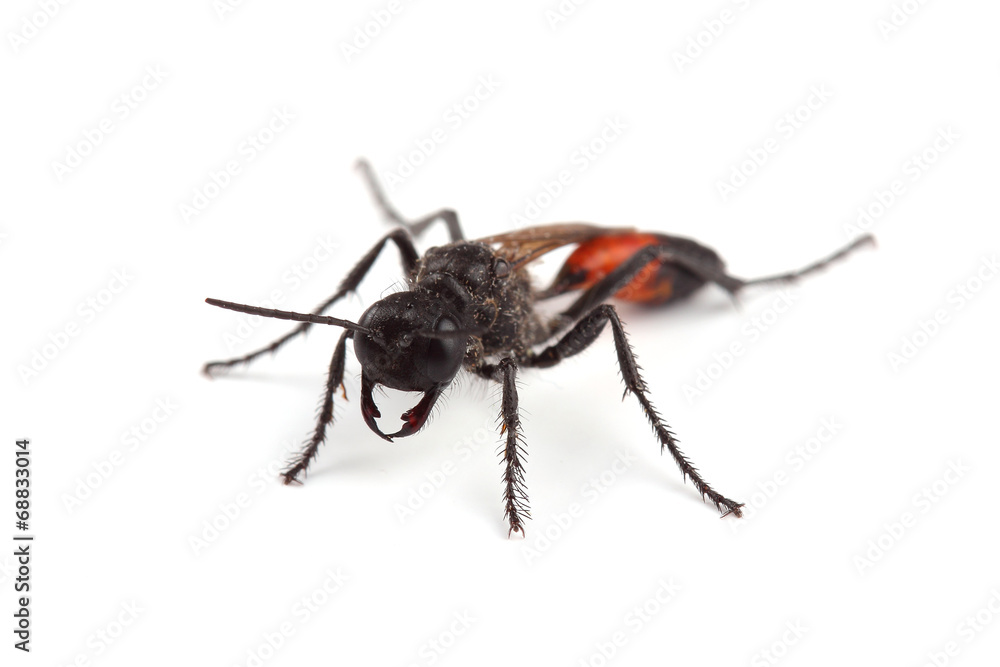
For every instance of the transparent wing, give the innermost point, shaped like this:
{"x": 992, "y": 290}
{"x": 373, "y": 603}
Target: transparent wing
{"x": 522, "y": 246}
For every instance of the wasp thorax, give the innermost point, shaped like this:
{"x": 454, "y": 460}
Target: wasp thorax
{"x": 413, "y": 344}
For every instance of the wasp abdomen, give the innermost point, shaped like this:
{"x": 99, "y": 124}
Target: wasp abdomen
{"x": 656, "y": 284}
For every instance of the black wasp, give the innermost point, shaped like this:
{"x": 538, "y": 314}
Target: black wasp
{"x": 471, "y": 305}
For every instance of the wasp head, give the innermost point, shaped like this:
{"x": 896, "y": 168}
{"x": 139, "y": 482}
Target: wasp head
{"x": 412, "y": 343}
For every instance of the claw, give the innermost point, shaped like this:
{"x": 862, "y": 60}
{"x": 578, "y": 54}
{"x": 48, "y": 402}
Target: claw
{"x": 735, "y": 511}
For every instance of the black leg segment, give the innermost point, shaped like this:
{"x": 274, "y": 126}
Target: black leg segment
{"x": 792, "y": 276}
{"x": 580, "y": 337}
{"x": 514, "y": 492}
{"x": 335, "y": 378}
{"x": 624, "y": 273}
{"x": 697, "y": 264}
{"x": 415, "y": 227}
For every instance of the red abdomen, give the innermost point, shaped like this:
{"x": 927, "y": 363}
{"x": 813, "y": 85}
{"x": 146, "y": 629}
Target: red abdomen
{"x": 655, "y": 284}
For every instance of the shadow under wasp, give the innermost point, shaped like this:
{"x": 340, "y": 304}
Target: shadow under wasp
{"x": 470, "y": 305}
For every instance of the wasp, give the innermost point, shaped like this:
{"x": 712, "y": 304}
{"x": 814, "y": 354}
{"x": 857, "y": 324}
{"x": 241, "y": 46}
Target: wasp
{"x": 470, "y": 305}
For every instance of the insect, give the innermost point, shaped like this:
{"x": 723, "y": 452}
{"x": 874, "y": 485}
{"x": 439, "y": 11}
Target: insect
{"x": 470, "y": 305}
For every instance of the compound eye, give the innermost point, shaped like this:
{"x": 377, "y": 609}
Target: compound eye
{"x": 501, "y": 268}
{"x": 369, "y": 353}
{"x": 444, "y": 355}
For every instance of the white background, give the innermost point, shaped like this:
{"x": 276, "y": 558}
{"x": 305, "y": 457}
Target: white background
{"x": 841, "y": 547}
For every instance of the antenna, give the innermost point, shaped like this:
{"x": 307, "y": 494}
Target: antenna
{"x": 287, "y": 315}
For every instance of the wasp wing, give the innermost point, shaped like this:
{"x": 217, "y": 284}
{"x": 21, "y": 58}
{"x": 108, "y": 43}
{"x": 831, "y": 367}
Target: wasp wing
{"x": 522, "y": 246}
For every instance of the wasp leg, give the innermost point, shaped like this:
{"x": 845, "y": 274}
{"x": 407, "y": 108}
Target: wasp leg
{"x": 415, "y": 227}
{"x": 334, "y": 379}
{"x": 514, "y": 493}
{"x": 579, "y": 338}
{"x": 791, "y": 276}
{"x": 625, "y": 272}
{"x": 409, "y": 257}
